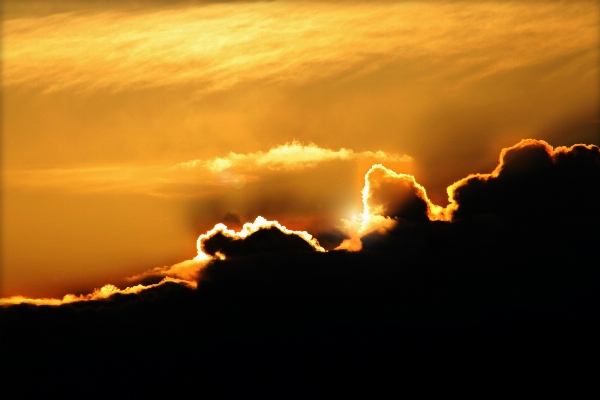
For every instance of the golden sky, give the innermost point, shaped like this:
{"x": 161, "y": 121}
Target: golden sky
{"x": 129, "y": 130}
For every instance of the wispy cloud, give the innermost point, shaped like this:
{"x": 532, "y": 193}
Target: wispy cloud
{"x": 174, "y": 180}
{"x": 217, "y": 46}
{"x": 290, "y": 156}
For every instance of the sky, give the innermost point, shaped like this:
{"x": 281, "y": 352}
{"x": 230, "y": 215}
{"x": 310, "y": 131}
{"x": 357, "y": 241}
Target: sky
{"x": 132, "y": 128}
{"x": 299, "y": 198}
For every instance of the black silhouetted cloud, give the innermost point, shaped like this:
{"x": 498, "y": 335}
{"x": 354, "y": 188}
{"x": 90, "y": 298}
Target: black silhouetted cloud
{"x": 535, "y": 182}
{"x": 504, "y": 277}
{"x": 271, "y": 240}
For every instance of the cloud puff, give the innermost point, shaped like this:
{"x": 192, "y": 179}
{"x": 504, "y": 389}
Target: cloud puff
{"x": 533, "y": 182}
{"x": 270, "y": 234}
{"x": 271, "y": 240}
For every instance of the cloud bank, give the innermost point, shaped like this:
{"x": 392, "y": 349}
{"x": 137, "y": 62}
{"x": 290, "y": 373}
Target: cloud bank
{"x": 532, "y": 182}
{"x": 506, "y": 277}
{"x": 534, "y": 186}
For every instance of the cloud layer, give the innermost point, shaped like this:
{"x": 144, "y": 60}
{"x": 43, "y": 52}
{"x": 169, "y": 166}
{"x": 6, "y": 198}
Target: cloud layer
{"x": 534, "y": 187}
{"x": 508, "y": 281}
{"x": 217, "y": 46}
{"x": 234, "y": 169}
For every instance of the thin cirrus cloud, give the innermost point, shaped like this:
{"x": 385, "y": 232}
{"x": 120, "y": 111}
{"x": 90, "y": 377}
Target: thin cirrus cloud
{"x": 216, "y": 46}
{"x": 167, "y": 180}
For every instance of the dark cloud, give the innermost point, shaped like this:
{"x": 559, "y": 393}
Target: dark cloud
{"x": 509, "y": 287}
{"x": 329, "y": 240}
{"x": 536, "y": 184}
{"x": 269, "y": 240}
{"x": 397, "y": 198}
{"x": 232, "y": 220}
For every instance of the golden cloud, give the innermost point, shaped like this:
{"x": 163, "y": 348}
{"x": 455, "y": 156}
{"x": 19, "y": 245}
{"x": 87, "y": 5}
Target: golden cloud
{"x": 217, "y": 46}
{"x": 290, "y": 156}
{"x": 232, "y": 169}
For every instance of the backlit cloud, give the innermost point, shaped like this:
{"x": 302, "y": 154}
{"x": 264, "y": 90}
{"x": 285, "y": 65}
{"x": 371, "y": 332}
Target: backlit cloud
{"x": 98, "y": 294}
{"x": 187, "y": 272}
{"x": 290, "y": 156}
{"x": 553, "y": 188}
{"x": 532, "y": 180}
{"x": 234, "y": 169}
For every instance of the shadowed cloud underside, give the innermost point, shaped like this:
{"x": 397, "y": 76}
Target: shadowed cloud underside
{"x": 553, "y": 188}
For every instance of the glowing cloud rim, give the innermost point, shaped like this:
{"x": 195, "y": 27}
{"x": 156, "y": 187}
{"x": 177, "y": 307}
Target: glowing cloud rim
{"x": 247, "y": 230}
{"x": 157, "y": 180}
{"x": 370, "y": 221}
{"x": 187, "y": 272}
{"x": 289, "y": 156}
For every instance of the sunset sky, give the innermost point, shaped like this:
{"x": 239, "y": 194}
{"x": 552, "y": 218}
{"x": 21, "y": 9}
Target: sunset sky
{"x": 131, "y": 128}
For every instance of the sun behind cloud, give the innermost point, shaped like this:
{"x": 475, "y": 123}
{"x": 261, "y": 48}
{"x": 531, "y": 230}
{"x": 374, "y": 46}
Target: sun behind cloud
{"x": 532, "y": 161}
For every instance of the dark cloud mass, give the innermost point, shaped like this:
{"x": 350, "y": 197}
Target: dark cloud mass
{"x": 331, "y": 239}
{"x": 266, "y": 240}
{"x": 535, "y": 183}
{"x": 504, "y": 294}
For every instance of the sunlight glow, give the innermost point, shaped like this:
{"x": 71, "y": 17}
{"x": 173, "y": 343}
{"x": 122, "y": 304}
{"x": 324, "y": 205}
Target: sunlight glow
{"x": 186, "y": 273}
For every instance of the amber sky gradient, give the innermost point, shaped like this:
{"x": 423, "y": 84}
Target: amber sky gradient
{"x": 131, "y": 128}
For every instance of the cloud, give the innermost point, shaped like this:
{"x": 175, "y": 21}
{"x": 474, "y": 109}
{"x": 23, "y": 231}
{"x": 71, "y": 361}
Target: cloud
{"x": 102, "y": 293}
{"x": 510, "y": 276}
{"x": 184, "y": 179}
{"x": 546, "y": 190}
{"x": 185, "y": 271}
{"x": 290, "y": 156}
{"x": 219, "y": 243}
{"x": 233, "y": 219}
{"x": 260, "y": 235}
{"x": 532, "y": 182}
{"x": 217, "y": 46}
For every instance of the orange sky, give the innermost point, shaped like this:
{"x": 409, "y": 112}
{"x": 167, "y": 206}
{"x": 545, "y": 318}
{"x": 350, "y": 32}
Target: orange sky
{"x": 129, "y": 130}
